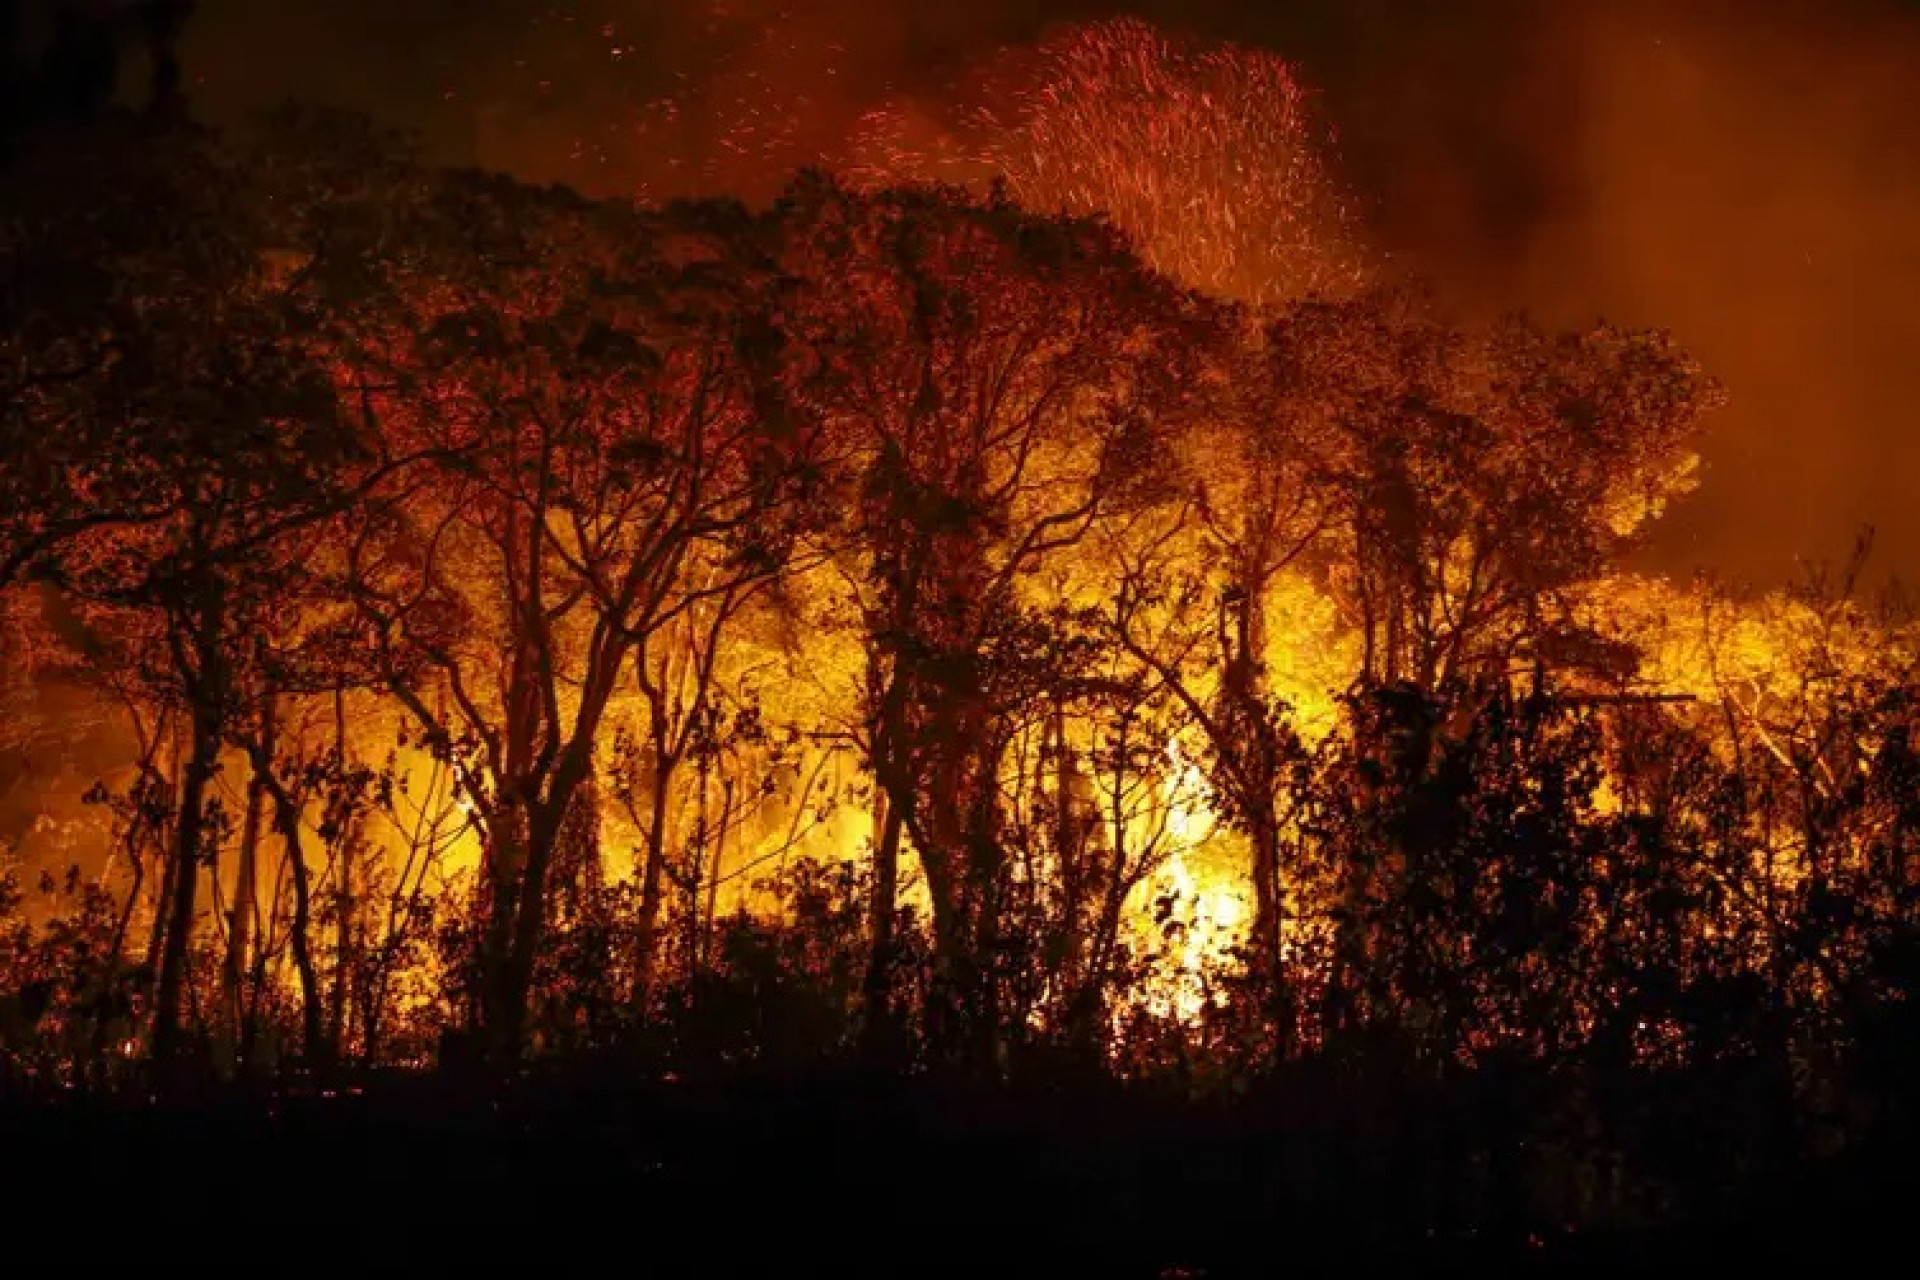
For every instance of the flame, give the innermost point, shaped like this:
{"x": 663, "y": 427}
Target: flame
{"x": 1191, "y": 904}
{"x": 1206, "y": 922}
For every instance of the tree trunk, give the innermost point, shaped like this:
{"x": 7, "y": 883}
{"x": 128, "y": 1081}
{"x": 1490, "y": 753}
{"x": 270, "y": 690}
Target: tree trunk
{"x": 343, "y": 960}
{"x": 1264, "y": 836}
{"x": 965, "y": 869}
{"x": 286, "y": 816}
{"x": 1259, "y": 775}
{"x": 877, "y": 986}
{"x": 529, "y": 927}
{"x": 697, "y": 845}
{"x": 163, "y": 888}
{"x": 983, "y": 1005}
{"x": 189, "y": 836}
{"x": 652, "y": 878}
{"x": 235, "y": 970}
{"x": 506, "y": 857}
{"x": 710, "y": 913}
{"x": 162, "y": 895}
{"x": 1070, "y": 851}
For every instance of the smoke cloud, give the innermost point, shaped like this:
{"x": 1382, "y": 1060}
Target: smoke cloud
{"x": 1744, "y": 174}
{"x": 1755, "y": 187}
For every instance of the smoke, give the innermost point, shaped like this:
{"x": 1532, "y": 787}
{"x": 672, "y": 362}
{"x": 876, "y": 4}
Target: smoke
{"x": 1755, "y": 187}
{"x": 609, "y": 96}
{"x": 1742, "y": 173}
{"x": 1734, "y": 170}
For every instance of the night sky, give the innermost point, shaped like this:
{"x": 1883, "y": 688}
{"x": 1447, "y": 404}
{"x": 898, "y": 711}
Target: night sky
{"x": 1746, "y": 174}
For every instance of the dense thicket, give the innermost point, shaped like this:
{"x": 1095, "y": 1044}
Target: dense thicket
{"x": 546, "y": 628}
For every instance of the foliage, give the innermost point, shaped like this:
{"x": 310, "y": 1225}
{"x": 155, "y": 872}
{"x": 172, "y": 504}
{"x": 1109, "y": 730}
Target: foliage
{"x": 717, "y": 639}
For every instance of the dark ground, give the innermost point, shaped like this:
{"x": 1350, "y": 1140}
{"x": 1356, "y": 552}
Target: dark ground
{"x": 838, "y": 1176}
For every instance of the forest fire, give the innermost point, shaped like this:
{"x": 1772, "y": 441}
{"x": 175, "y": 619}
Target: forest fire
{"x": 1039, "y": 601}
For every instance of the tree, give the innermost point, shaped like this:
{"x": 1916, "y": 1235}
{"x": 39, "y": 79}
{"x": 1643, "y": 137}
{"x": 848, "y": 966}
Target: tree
{"x": 1000, "y": 379}
{"x": 606, "y": 389}
{"x": 93, "y": 223}
{"x": 1478, "y": 479}
{"x": 213, "y": 454}
{"x": 1195, "y": 601}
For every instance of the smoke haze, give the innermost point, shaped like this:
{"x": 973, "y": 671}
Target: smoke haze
{"x": 1755, "y": 187}
{"x": 1744, "y": 174}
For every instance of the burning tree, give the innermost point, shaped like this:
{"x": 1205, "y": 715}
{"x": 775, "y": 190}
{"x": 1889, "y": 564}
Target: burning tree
{"x": 607, "y": 391}
{"x": 1476, "y": 481}
{"x": 1002, "y": 378}
{"x": 215, "y": 458}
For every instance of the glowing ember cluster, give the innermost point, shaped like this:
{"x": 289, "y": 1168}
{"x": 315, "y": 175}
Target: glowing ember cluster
{"x": 1208, "y": 156}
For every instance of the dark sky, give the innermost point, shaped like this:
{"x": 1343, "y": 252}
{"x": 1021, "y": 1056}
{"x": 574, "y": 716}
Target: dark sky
{"x": 1744, "y": 172}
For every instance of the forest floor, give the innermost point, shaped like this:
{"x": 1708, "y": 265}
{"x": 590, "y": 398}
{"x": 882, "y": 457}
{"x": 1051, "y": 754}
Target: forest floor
{"x": 794, "y": 1177}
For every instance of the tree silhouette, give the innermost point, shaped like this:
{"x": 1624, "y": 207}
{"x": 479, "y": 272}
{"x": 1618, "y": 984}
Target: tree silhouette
{"x": 1000, "y": 378}
{"x": 606, "y": 390}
